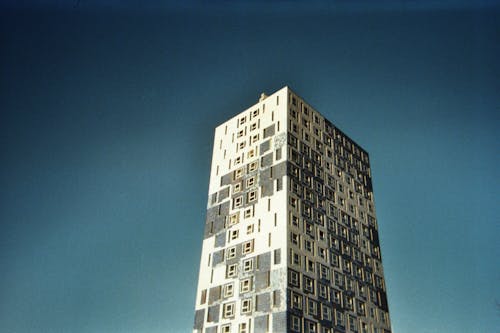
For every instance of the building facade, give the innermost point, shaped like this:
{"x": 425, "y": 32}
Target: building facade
{"x": 291, "y": 238}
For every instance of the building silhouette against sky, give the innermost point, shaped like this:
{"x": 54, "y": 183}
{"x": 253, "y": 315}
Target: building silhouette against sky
{"x": 291, "y": 238}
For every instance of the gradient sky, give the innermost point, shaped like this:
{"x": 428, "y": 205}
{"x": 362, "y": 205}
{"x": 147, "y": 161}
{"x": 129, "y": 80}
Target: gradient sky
{"x": 107, "y": 112}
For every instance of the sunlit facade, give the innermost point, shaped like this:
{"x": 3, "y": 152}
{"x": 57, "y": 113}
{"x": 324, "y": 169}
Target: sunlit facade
{"x": 291, "y": 237}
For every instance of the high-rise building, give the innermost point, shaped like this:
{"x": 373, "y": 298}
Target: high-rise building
{"x": 291, "y": 239}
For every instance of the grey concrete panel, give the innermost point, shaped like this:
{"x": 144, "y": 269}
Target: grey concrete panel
{"x": 224, "y": 209}
{"x": 279, "y": 322}
{"x": 212, "y": 329}
{"x": 264, "y": 146}
{"x": 263, "y": 302}
{"x": 226, "y": 179}
{"x": 261, "y": 280}
{"x": 213, "y": 294}
{"x": 220, "y": 239}
{"x": 269, "y": 131}
{"x": 223, "y": 194}
{"x": 279, "y": 170}
{"x": 261, "y": 323}
{"x": 265, "y": 261}
{"x": 277, "y": 298}
{"x": 217, "y": 257}
{"x": 277, "y": 256}
{"x": 267, "y": 187}
{"x": 213, "y": 314}
{"x": 266, "y": 160}
{"x": 199, "y": 317}
{"x": 219, "y": 224}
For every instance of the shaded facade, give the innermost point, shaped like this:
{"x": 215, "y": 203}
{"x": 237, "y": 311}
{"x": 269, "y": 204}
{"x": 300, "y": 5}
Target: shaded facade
{"x": 291, "y": 238}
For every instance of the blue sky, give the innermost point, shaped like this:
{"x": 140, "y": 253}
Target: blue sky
{"x": 107, "y": 115}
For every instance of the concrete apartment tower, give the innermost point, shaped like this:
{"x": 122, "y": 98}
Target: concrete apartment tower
{"x": 291, "y": 239}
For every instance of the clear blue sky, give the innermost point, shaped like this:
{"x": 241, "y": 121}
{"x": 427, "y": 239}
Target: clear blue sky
{"x": 106, "y": 125}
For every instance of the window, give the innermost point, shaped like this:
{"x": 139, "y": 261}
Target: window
{"x": 231, "y": 252}
{"x": 339, "y": 318}
{"x": 295, "y": 258}
{"x": 253, "y": 126}
{"x": 228, "y": 310}
{"x": 237, "y": 202}
{"x": 246, "y": 305}
{"x": 226, "y": 328}
{"x": 240, "y": 133}
{"x": 247, "y": 265}
{"x": 295, "y": 324}
{"x": 246, "y": 285}
{"x": 326, "y": 312}
{"x": 252, "y": 166}
{"x": 249, "y": 229}
{"x": 255, "y": 138}
{"x": 296, "y": 301}
{"x": 237, "y": 160}
{"x": 242, "y": 145}
{"x": 294, "y": 238}
{"x": 236, "y": 188}
{"x": 310, "y": 266}
{"x": 248, "y": 247}
{"x": 308, "y": 285}
{"x": 311, "y": 327}
{"x": 251, "y": 153}
{"x": 242, "y": 120}
{"x": 293, "y": 278}
{"x": 312, "y": 307}
{"x": 243, "y": 328}
{"x": 228, "y": 290}
{"x": 250, "y": 181}
{"x": 252, "y": 196}
{"x": 323, "y": 291}
{"x": 231, "y": 270}
{"x": 248, "y": 212}
{"x": 234, "y": 234}
{"x": 234, "y": 219}
{"x": 238, "y": 173}
{"x": 255, "y": 113}
{"x": 308, "y": 245}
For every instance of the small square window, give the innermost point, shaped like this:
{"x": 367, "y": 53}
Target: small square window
{"x": 251, "y": 153}
{"x": 231, "y": 270}
{"x": 240, "y": 133}
{"x": 234, "y": 234}
{"x": 238, "y": 174}
{"x": 255, "y": 113}
{"x": 231, "y": 252}
{"x": 228, "y": 290}
{"x": 250, "y": 181}
{"x": 246, "y": 305}
{"x": 226, "y": 328}
{"x": 234, "y": 219}
{"x": 253, "y": 166}
{"x": 248, "y": 212}
{"x": 238, "y": 202}
{"x": 236, "y": 188}
{"x": 249, "y": 229}
{"x": 248, "y": 247}
{"x": 255, "y": 138}
{"x": 228, "y": 310}
{"x": 252, "y": 196}
{"x": 253, "y": 126}
{"x": 246, "y": 285}
{"x": 242, "y": 145}
{"x": 295, "y": 324}
{"x": 243, "y": 328}
{"x": 247, "y": 265}
{"x": 243, "y": 120}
